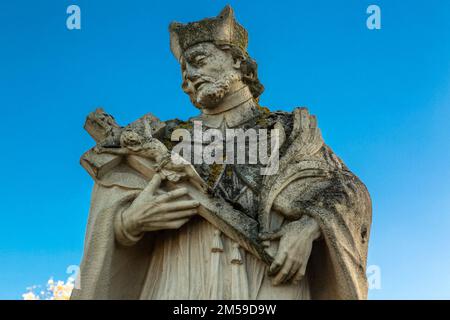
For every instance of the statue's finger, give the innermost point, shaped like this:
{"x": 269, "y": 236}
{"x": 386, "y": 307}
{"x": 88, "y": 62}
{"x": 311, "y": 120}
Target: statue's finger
{"x": 179, "y": 214}
{"x": 153, "y": 185}
{"x": 171, "y": 195}
{"x": 154, "y": 216}
{"x": 283, "y": 273}
{"x": 299, "y": 274}
{"x": 178, "y": 205}
{"x": 176, "y": 224}
{"x": 293, "y": 271}
{"x": 277, "y": 263}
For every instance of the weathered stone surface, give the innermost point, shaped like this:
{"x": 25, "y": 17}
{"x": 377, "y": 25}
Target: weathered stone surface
{"x": 112, "y": 151}
{"x": 160, "y": 228}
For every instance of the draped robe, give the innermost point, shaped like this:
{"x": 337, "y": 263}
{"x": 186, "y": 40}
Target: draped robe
{"x": 197, "y": 261}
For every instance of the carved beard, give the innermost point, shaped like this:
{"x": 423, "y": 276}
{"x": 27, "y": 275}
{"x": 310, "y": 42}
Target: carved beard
{"x": 211, "y": 93}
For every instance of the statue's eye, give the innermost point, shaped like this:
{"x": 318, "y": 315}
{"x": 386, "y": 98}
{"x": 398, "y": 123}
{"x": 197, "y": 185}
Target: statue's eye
{"x": 199, "y": 59}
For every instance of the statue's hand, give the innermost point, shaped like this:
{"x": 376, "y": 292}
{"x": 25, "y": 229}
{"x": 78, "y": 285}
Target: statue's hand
{"x": 151, "y": 212}
{"x": 296, "y": 241}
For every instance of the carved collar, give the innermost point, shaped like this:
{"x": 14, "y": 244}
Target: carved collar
{"x": 230, "y": 118}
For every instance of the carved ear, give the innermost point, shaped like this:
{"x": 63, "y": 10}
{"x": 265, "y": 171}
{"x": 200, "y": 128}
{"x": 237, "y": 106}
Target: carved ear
{"x": 237, "y": 61}
{"x": 175, "y": 41}
{"x": 237, "y": 64}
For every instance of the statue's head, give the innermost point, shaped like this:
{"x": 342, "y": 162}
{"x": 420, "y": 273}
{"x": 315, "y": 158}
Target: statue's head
{"x": 213, "y": 57}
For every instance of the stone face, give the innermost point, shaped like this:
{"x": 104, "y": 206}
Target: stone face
{"x": 161, "y": 227}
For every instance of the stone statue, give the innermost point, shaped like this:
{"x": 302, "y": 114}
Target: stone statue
{"x": 162, "y": 227}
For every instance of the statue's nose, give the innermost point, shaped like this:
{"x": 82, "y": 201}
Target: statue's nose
{"x": 187, "y": 84}
{"x": 191, "y": 74}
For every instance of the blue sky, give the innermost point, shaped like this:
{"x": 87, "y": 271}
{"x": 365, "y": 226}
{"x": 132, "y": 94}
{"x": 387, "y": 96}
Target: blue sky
{"x": 382, "y": 99}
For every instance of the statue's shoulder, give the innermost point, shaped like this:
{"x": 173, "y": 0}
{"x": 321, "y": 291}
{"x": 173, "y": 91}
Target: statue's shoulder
{"x": 165, "y": 136}
{"x": 304, "y": 138}
{"x": 283, "y": 115}
{"x": 291, "y": 121}
{"x": 176, "y": 123}
{"x": 300, "y": 137}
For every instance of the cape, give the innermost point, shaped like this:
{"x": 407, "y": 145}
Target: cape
{"x": 311, "y": 180}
